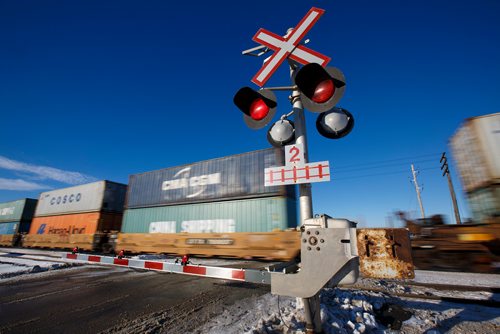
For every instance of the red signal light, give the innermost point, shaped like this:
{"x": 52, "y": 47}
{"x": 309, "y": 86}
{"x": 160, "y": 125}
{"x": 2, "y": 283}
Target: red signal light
{"x": 320, "y": 88}
{"x": 324, "y": 91}
{"x": 258, "y": 109}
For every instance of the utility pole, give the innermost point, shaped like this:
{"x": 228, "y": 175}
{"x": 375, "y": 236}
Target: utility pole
{"x": 446, "y": 171}
{"x": 417, "y": 189}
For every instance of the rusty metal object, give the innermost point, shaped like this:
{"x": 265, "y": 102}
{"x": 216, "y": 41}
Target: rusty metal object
{"x": 385, "y": 253}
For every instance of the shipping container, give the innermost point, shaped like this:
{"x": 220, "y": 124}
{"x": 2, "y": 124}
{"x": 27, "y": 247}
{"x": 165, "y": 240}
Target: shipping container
{"x": 67, "y": 231}
{"x": 484, "y": 203}
{"x": 8, "y": 228}
{"x": 103, "y": 196}
{"x": 476, "y": 151}
{"x": 233, "y": 177}
{"x": 15, "y": 211}
{"x": 248, "y": 215}
{"x": 14, "y": 227}
{"x": 15, "y": 219}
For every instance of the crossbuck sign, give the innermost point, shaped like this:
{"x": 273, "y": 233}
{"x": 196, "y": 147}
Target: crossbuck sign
{"x": 288, "y": 46}
{"x": 296, "y": 170}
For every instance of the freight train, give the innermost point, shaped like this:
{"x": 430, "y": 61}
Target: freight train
{"x": 217, "y": 207}
{"x": 473, "y": 247}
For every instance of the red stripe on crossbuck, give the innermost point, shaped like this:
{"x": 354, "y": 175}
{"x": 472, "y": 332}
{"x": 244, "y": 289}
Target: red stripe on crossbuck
{"x": 121, "y": 262}
{"x": 195, "y": 270}
{"x": 71, "y": 256}
{"x": 153, "y": 265}
{"x": 94, "y": 258}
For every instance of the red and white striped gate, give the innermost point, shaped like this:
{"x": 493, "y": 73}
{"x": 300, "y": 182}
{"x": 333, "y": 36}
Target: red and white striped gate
{"x": 242, "y": 275}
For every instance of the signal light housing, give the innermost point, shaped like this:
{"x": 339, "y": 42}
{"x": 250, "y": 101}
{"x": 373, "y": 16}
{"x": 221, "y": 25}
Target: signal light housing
{"x": 281, "y": 133}
{"x": 335, "y": 123}
{"x": 321, "y": 88}
{"x": 258, "y": 107}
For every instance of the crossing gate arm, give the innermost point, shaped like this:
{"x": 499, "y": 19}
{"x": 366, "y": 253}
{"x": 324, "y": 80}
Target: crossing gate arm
{"x": 242, "y": 275}
{"x": 327, "y": 253}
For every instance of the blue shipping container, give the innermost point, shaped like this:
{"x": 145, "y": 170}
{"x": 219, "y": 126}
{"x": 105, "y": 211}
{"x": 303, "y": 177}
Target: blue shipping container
{"x": 233, "y": 177}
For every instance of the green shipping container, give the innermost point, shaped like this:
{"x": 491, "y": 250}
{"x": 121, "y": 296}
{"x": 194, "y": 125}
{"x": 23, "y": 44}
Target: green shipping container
{"x": 20, "y": 210}
{"x": 250, "y": 215}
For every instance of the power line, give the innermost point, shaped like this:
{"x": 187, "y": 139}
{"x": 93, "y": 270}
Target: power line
{"x": 414, "y": 158}
{"x": 378, "y": 174}
{"x": 379, "y": 166}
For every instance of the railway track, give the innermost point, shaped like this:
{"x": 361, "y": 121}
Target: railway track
{"x": 490, "y": 302}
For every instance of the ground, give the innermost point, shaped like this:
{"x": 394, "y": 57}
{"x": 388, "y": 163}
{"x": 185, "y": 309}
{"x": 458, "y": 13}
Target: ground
{"x": 434, "y": 302}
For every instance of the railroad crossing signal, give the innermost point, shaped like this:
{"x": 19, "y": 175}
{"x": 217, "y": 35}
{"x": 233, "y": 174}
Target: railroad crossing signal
{"x": 321, "y": 89}
{"x": 281, "y": 133}
{"x": 335, "y": 123}
{"x": 258, "y": 107}
{"x": 288, "y": 47}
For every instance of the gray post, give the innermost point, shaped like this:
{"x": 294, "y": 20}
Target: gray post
{"x": 312, "y": 304}
{"x": 305, "y": 197}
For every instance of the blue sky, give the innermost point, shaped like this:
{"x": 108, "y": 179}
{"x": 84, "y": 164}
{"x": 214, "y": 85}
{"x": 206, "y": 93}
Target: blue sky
{"x": 93, "y": 90}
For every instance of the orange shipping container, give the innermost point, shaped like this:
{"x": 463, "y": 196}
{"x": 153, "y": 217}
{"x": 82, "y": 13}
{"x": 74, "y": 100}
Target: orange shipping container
{"x": 65, "y": 231}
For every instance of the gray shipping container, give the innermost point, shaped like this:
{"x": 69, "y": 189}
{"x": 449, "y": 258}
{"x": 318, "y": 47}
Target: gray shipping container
{"x": 233, "y": 177}
{"x": 20, "y": 210}
{"x": 476, "y": 150}
{"x": 97, "y": 196}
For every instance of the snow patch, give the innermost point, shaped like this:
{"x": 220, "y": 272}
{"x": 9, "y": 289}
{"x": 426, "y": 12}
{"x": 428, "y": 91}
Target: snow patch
{"x": 11, "y": 267}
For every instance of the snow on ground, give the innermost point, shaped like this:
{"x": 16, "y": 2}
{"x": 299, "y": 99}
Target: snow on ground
{"x": 20, "y": 265}
{"x": 343, "y": 310}
{"x": 355, "y": 311}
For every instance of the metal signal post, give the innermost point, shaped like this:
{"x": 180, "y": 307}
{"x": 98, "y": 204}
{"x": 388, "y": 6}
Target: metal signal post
{"x": 312, "y": 306}
{"x": 320, "y": 89}
{"x": 329, "y": 247}
{"x": 305, "y": 194}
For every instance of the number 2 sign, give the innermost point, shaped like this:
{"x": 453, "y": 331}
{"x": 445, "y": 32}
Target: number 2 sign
{"x": 294, "y": 155}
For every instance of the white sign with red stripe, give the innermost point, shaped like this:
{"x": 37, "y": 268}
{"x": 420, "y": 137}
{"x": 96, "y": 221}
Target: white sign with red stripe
{"x": 246, "y": 275}
{"x": 307, "y": 173}
{"x": 288, "y": 46}
{"x": 296, "y": 170}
